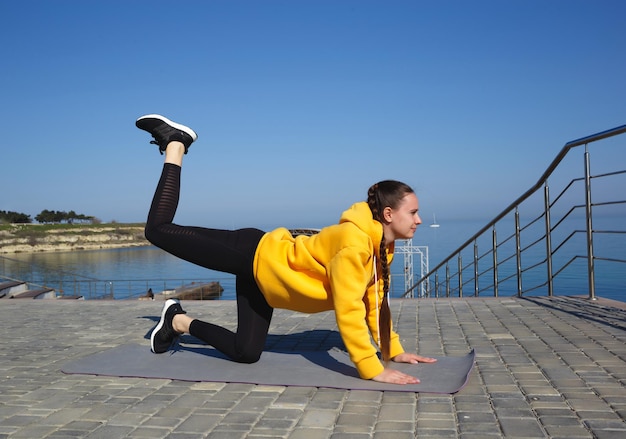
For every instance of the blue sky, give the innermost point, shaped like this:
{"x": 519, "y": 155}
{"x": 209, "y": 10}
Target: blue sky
{"x": 300, "y": 105}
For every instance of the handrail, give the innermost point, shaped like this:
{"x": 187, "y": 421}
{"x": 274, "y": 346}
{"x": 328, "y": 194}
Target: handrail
{"x": 533, "y": 189}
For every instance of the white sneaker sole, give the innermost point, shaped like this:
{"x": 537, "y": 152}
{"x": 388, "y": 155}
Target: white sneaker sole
{"x": 178, "y": 126}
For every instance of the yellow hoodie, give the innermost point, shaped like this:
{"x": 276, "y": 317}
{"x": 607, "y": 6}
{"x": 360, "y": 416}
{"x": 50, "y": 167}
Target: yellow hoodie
{"x": 332, "y": 270}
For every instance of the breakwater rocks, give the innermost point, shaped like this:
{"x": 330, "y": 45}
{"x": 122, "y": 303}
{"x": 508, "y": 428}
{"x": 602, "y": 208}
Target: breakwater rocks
{"x": 28, "y": 238}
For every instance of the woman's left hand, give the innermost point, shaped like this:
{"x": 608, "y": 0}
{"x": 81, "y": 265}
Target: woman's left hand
{"x": 412, "y": 358}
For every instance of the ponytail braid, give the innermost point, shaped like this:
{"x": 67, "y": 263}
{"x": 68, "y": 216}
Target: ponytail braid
{"x": 384, "y": 194}
{"x": 384, "y": 318}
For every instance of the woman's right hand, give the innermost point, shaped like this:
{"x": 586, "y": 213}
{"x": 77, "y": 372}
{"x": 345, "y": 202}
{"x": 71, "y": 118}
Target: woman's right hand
{"x": 392, "y": 376}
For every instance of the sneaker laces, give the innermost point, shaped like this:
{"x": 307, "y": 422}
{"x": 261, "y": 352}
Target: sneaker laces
{"x": 161, "y": 148}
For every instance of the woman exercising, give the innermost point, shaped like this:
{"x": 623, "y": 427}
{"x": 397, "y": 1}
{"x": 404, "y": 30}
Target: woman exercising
{"x": 343, "y": 268}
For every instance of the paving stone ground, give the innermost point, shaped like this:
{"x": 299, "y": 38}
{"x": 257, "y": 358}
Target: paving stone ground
{"x": 545, "y": 367}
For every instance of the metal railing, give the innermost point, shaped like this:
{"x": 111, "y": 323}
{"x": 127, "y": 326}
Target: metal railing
{"x": 128, "y": 288}
{"x": 534, "y": 245}
{"x": 120, "y": 288}
{"x": 96, "y": 289}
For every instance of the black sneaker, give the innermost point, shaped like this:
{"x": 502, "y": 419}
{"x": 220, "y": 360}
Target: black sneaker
{"x": 165, "y": 131}
{"x": 163, "y": 334}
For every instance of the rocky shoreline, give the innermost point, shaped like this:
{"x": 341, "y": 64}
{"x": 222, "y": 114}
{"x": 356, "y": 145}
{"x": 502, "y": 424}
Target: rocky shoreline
{"x": 28, "y": 239}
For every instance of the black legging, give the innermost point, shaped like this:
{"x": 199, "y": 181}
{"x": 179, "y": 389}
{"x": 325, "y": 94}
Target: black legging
{"x": 230, "y": 251}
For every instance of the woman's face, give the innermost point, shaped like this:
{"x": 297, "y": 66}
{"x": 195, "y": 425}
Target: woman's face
{"x": 401, "y": 223}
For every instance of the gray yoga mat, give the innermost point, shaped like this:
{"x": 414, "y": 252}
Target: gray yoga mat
{"x": 332, "y": 369}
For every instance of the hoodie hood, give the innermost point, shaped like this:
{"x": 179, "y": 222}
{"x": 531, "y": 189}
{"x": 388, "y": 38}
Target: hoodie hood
{"x": 360, "y": 215}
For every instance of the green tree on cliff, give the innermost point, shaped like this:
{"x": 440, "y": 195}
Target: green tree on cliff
{"x": 56, "y": 216}
{"x": 14, "y": 217}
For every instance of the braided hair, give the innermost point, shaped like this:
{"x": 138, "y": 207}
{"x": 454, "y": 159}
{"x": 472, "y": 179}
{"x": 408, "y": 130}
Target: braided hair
{"x": 387, "y": 193}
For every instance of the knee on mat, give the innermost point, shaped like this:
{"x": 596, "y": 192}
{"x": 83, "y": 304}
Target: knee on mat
{"x": 249, "y": 357}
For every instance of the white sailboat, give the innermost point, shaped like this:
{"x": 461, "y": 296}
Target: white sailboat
{"x": 434, "y": 224}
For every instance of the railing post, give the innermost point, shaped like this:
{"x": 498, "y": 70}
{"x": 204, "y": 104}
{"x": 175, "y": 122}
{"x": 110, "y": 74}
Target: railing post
{"x": 475, "y": 268}
{"x": 518, "y": 253}
{"x": 437, "y": 285}
{"x": 447, "y": 280}
{"x": 460, "y": 260}
{"x": 589, "y": 217}
{"x": 546, "y": 204}
{"x": 494, "y": 246}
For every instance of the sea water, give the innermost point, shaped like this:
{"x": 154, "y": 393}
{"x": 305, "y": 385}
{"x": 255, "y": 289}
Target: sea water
{"x": 130, "y": 272}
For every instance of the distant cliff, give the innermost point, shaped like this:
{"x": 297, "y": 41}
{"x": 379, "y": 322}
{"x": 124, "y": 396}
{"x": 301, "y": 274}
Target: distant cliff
{"x": 28, "y": 238}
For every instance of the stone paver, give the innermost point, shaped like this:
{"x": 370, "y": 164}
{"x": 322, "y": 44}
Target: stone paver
{"x": 545, "y": 367}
